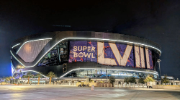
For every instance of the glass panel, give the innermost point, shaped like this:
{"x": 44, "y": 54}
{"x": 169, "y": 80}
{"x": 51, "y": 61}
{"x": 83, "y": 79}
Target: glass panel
{"x": 56, "y": 56}
{"x": 101, "y": 73}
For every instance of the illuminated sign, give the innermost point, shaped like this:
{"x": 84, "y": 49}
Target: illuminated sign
{"x": 115, "y": 54}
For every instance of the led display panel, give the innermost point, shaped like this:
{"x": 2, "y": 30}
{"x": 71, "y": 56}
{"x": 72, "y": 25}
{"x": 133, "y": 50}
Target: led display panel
{"x": 106, "y": 53}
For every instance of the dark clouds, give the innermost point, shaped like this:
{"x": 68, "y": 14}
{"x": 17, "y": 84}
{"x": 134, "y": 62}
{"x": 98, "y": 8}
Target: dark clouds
{"x": 155, "y": 20}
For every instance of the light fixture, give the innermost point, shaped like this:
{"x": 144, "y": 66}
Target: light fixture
{"x": 148, "y": 72}
{"x": 80, "y": 38}
{"x": 15, "y": 45}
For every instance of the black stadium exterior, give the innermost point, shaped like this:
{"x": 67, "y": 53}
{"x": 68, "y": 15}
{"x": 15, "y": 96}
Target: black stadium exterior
{"x": 81, "y": 54}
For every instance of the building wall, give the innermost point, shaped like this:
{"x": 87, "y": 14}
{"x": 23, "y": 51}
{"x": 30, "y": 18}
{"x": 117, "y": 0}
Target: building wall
{"x": 58, "y": 37}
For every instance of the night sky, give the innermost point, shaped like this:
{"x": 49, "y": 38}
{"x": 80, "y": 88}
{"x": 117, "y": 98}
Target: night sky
{"x": 156, "y": 20}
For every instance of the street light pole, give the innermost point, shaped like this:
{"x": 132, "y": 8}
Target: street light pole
{"x": 159, "y": 67}
{"x": 106, "y": 72}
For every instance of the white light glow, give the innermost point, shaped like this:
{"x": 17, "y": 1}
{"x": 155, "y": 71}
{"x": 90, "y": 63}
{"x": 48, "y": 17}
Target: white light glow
{"x": 79, "y": 38}
{"x": 114, "y": 40}
{"x": 13, "y": 70}
{"x": 16, "y": 58}
{"x": 15, "y": 45}
{"x": 148, "y": 72}
{"x": 35, "y": 72}
{"x": 121, "y": 74}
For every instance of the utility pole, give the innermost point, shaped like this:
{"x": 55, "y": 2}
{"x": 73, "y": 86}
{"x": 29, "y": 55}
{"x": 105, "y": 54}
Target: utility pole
{"x": 106, "y": 72}
{"x": 159, "y": 67}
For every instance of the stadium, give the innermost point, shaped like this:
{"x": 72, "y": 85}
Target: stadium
{"x": 82, "y": 54}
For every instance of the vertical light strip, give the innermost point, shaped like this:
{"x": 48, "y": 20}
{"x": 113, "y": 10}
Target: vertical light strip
{"x": 147, "y": 58}
{"x": 142, "y": 57}
{"x": 12, "y": 69}
{"x": 137, "y": 56}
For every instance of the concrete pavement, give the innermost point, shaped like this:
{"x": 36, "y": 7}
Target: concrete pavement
{"x": 50, "y": 92}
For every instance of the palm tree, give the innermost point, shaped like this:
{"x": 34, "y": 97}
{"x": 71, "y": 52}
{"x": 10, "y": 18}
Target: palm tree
{"x": 12, "y": 77}
{"x": 165, "y": 79}
{"x": 38, "y": 75}
{"x": 29, "y": 75}
{"x": 132, "y": 80}
{"x": 24, "y": 76}
{"x": 141, "y": 80}
{"x": 112, "y": 80}
{"x": 149, "y": 79}
{"x": 50, "y": 75}
{"x": 7, "y": 79}
{"x": 126, "y": 79}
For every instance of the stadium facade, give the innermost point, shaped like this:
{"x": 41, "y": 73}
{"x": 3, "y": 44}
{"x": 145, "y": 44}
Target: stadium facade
{"x": 79, "y": 54}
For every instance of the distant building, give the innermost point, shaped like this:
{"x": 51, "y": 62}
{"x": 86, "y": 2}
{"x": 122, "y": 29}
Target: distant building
{"x": 168, "y": 77}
